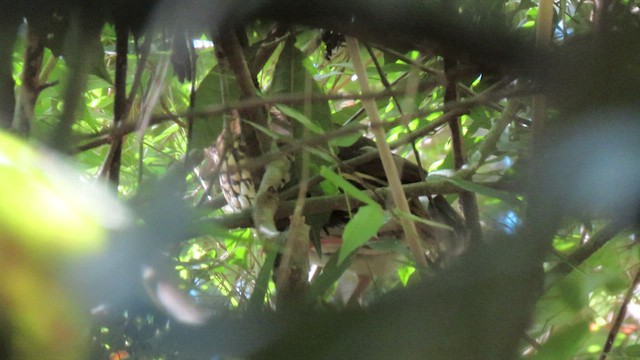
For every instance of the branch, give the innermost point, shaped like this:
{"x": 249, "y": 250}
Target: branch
{"x": 399, "y": 198}
{"x": 27, "y": 95}
{"x": 412, "y": 89}
{"x": 104, "y": 137}
{"x": 111, "y": 166}
{"x": 596, "y": 242}
{"x": 234, "y": 53}
{"x": 271, "y": 42}
{"x": 454, "y": 109}
{"x": 467, "y": 199}
{"x": 321, "y": 204}
{"x": 620, "y": 317}
{"x": 488, "y": 146}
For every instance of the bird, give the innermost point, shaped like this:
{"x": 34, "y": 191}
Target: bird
{"x": 238, "y": 185}
{"x": 383, "y": 254}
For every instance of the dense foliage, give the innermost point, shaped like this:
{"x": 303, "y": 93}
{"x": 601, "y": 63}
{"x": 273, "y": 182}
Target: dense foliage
{"x": 515, "y": 122}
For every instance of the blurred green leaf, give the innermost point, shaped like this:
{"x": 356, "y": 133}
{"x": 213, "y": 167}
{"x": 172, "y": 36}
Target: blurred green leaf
{"x": 564, "y": 342}
{"x": 51, "y": 209}
{"x": 632, "y": 351}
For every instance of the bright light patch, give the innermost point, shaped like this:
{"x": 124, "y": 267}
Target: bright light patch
{"x": 202, "y": 44}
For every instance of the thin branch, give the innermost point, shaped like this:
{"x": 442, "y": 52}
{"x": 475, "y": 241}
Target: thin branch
{"x": 350, "y": 129}
{"x": 111, "y": 167}
{"x": 103, "y": 137}
{"x": 267, "y": 48}
{"x": 137, "y": 78}
{"x": 468, "y": 200}
{"x": 156, "y": 86}
{"x": 620, "y": 317}
{"x": 27, "y": 93}
{"x": 543, "y": 37}
{"x": 193, "y": 63}
{"x": 411, "y": 92}
{"x": 245, "y": 82}
{"x": 399, "y": 198}
{"x": 491, "y": 138}
{"x": 8, "y": 34}
{"x": 412, "y": 62}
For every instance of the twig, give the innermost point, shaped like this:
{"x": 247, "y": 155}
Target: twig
{"x": 193, "y": 63}
{"x": 137, "y": 78}
{"x": 350, "y": 129}
{"x": 468, "y": 200}
{"x": 399, "y": 197}
{"x": 543, "y": 37}
{"x": 27, "y": 93}
{"x": 412, "y": 89}
{"x": 620, "y": 317}
{"x": 100, "y": 137}
{"x": 111, "y": 166}
{"x": 265, "y": 51}
{"x": 412, "y": 62}
{"x": 152, "y": 98}
{"x": 488, "y": 146}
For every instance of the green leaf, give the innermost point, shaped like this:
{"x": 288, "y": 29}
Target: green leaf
{"x": 480, "y": 189}
{"x": 210, "y": 92}
{"x": 345, "y": 141}
{"x": 421, "y": 220}
{"x": 96, "y": 60}
{"x": 300, "y": 117}
{"x": 262, "y": 281}
{"x": 564, "y": 342}
{"x": 363, "y": 226}
{"x": 292, "y": 77}
{"x": 348, "y": 188}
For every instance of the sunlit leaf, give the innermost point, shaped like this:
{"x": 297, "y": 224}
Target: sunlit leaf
{"x": 361, "y": 228}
